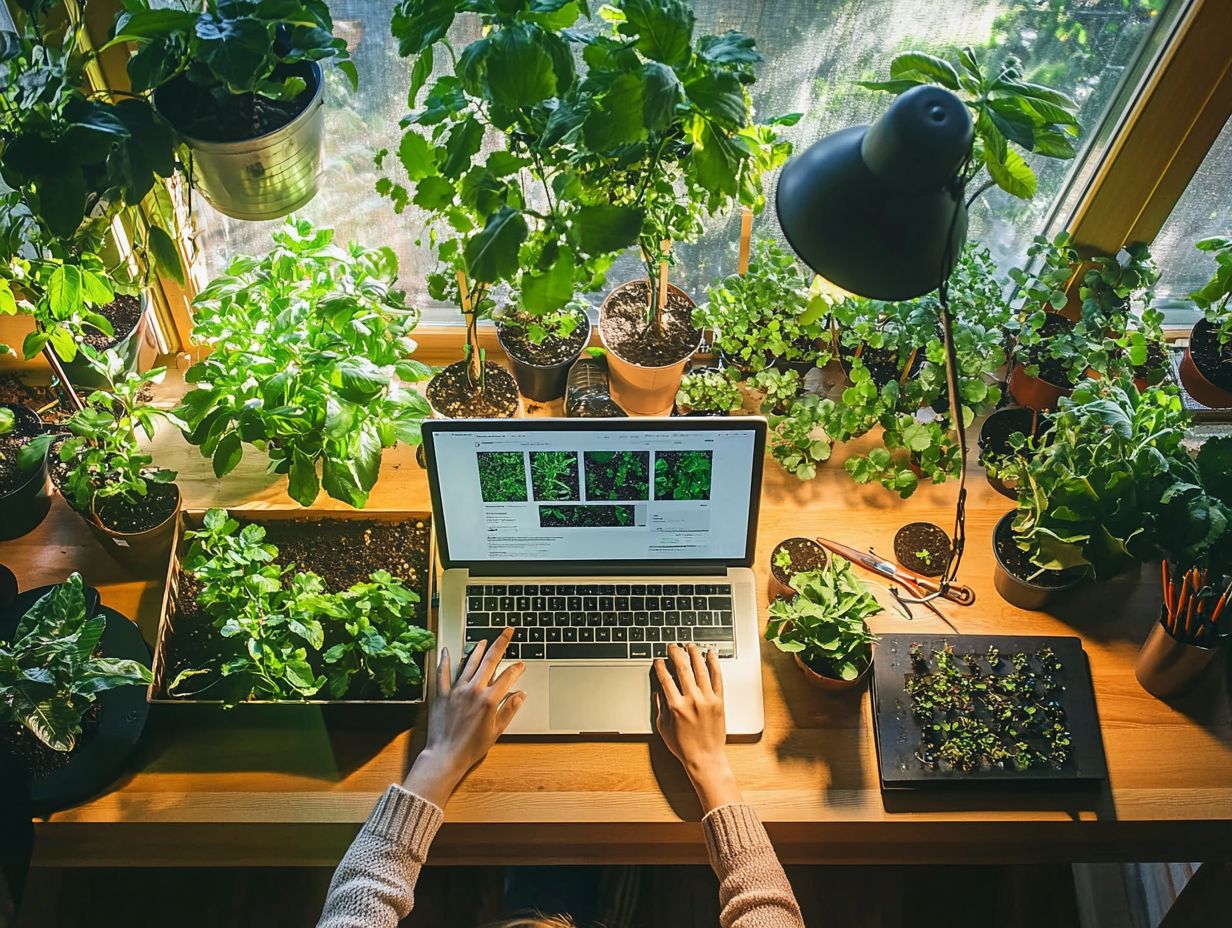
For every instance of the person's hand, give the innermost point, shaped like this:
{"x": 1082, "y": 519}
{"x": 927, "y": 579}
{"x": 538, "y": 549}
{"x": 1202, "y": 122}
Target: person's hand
{"x": 465, "y": 719}
{"x": 689, "y": 716}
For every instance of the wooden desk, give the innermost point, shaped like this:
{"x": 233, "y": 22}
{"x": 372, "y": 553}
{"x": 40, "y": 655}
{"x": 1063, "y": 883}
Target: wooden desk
{"x": 227, "y": 791}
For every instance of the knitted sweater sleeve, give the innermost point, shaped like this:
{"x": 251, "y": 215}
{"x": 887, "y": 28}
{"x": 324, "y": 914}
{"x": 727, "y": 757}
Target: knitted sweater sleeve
{"x": 753, "y": 889}
{"x": 374, "y": 885}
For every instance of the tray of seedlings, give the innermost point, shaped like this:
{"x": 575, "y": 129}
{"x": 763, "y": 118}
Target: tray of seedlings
{"x": 297, "y": 608}
{"x": 983, "y": 709}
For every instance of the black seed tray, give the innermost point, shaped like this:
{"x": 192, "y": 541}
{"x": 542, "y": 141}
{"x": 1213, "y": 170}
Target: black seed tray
{"x": 898, "y": 735}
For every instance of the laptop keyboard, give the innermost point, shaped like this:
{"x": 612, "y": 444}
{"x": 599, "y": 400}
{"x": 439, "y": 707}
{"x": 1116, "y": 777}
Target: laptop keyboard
{"x": 606, "y": 621}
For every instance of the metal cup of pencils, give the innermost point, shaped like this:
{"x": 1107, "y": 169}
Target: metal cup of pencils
{"x": 1187, "y": 636}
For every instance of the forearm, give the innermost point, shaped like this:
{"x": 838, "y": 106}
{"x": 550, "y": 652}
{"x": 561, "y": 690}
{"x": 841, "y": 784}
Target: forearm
{"x": 753, "y": 889}
{"x": 374, "y": 884}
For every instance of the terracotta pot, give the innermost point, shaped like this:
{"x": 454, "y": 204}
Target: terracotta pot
{"x": 831, "y": 684}
{"x": 643, "y": 391}
{"x": 1167, "y": 667}
{"x": 1195, "y": 382}
{"x": 1033, "y": 392}
{"x": 139, "y": 550}
{"x": 777, "y": 588}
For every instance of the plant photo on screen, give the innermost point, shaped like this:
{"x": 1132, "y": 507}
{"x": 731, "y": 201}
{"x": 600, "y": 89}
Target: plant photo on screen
{"x": 683, "y": 475}
{"x": 554, "y": 475}
{"x": 617, "y": 475}
{"x": 502, "y": 476}
{"x": 587, "y": 516}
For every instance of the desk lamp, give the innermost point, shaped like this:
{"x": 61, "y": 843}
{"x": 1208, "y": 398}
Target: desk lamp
{"x": 878, "y": 210}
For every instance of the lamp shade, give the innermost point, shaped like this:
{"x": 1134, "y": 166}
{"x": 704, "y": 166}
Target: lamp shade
{"x": 871, "y": 208}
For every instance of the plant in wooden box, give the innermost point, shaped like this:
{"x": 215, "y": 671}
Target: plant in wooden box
{"x": 242, "y": 85}
{"x": 72, "y": 699}
{"x": 824, "y": 625}
{"x": 666, "y": 127}
{"x": 521, "y": 216}
{"x": 25, "y": 493}
{"x": 770, "y": 316}
{"x": 310, "y": 364}
{"x": 105, "y": 475}
{"x": 1206, "y": 370}
{"x": 75, "y": 162}
{"x": 1090, "y": 489}
{"x": 277, "y": 632}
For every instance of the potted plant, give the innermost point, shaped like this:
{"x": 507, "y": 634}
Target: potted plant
{"x": 75, "y": 163}
{"x": 798, "y": 440}
{"x": 311, "y": 364}
{"x": 922, "y": 547}
{"x": 253, "y": 625}
{"x": 106, "y": 477}
{"x": 519, "y": 216}
{"x": 770, "y": 316}
{"x": 824, "y": 626}
{"x": 1206, "y": 369}
{"x": 793, "y": 556}
{"x": 25, "y": 491}
{"x": 72, "y": 701}
{"x": 994, "y": 441}
{"x": 708, "y": 391}
{"x": 667, "y": 127}
{"x": 1089, "y": 489}
{"x": 242, "y": 86}
{"x": 1121, "y": 340}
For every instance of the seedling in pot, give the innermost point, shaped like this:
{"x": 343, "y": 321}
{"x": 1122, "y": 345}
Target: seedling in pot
{"x": 923, "y": 548}
{"x": 1207, "y": 368}
{"x": 708, "y": 392}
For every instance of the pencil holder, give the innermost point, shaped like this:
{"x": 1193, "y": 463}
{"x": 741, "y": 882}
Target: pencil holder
{"x": 1167, "y": 667}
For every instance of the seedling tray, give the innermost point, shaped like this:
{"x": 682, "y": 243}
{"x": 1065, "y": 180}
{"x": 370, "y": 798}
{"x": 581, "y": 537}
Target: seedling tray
{"x": 191, "y": 519}
{"x": 899, "y": 736}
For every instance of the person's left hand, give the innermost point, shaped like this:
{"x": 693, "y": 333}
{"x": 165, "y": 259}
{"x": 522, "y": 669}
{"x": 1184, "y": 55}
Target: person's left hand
{"x": 465, "y": 719}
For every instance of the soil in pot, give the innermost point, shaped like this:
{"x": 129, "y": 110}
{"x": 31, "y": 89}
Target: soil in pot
{"x": 547, "y": 353}
{"x": 1214, "y": 362}
{"x": 997, "y": 428}
{"x": 124, "y": 313}
{"x": 342, "y": 552}
{"x": 806, "y": 555}
{"x": 27, "y": 427}
{"x": 1019, "y": 566}
{"x": 1051, "y": 370}
{"x": 923, "y": 547}
{"x": 453, "y": 396}
{"x": 155, "y": 508}
{"x": 625, "y": 330}
{"x": 194, "y": 111}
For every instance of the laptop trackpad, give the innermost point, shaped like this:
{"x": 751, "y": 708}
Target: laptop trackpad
{"x": 599, "y": 699}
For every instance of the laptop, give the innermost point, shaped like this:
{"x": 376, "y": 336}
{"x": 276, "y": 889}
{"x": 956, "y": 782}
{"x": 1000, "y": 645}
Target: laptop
{"x": 600, "y": 541}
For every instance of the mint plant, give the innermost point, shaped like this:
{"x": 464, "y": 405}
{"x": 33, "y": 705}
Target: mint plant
{"x": 771, "y": 314}
{"x": 709, "y": 390}
{"x": 311, "y": 357}
{"x": 51, "y": 671}
{"x": 825, "y": 623}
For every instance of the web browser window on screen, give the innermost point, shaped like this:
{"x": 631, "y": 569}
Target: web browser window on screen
{"x": 595, "y": 495}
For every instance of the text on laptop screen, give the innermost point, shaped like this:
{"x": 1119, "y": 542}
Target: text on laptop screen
{"x": 595, "y": 495}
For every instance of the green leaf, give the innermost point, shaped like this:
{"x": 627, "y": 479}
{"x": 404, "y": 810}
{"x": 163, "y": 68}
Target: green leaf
{"x": 302, "y": 483}
{"x": 235, "y": 49}
{"x": 421, "y": 70}
{"x": 606, "y": 228}
{"x": 728, "y": 48}
{"x": 618, "y": 119}
{"x": 717, "y": 160}
{"x": 418, "y": 157}
{"x": 720, "y": 96}
{"x": 663, "y": 29}
{"x": 492, "y": 254}
{"x": 433, "y": 193}
{"x": 519, "y": 71}
{"x": 935, "y": 69}
{"x": 461, "y": 147}
{"x": 551, "y": 290}
{"x": 421, "y": 24}
{"x": 227, "y": 454}
{"x": 64, "y": 290}
{"x": 662, "y": 92}
{"x": 166, "y": 254}
{"x": 1014, "y": 176}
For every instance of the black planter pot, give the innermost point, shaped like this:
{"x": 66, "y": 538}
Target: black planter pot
{"x": 999, "y": 426}
{"x": 123, "y": 711}
{"x": 26, "y": 505}
{"x": 542, "y": 383}
{"x": 1025, "y": 594}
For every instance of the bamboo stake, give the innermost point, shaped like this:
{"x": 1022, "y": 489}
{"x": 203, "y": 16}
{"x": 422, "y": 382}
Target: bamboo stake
{"x": 746, "y": 240}
{"x": 667, "y": 247}
{"x": 474, "y": 366}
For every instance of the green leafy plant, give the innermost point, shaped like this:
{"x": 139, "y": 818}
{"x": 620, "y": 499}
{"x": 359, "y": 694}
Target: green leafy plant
{"x": 51, "y": 671}
{"x": 709, "y": 390}
{"x": 502, "y": 476}
{"x": 664, "y": 127}
{"x": 311, "y": 357}
{"x": 798, "y": 439}
{"x": 102, "y": 459}
{"x": 682, "y": 475}
{"x": 1214, "y": 297}
{"x": 239, "y": 55}
{"x": 1006, "y": 109}
{"x": 1091, "y": 488}
{"x": 617, "y": 475}
{"x": 281, "y": 619}
{"x": 554, "y": 474}
{"x": 782, "y": 559}
{"x": 825, "y": 623}
{"x": 771, "y": 314}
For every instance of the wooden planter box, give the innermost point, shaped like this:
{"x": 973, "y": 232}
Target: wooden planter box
{"x": 191, "y": 519}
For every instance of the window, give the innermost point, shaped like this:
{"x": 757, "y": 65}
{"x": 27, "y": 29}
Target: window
{"x": 814, "y": 50}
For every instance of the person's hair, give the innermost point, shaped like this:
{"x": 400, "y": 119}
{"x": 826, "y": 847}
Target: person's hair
{"x": 536, "y": 921}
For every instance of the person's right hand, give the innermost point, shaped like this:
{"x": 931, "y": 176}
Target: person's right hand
{"x": 466, "y": 718}
{"x": 689, "y": 716}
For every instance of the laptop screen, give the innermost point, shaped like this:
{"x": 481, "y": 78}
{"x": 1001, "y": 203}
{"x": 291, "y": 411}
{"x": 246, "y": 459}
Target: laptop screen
{"x": 630, "y": 491}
